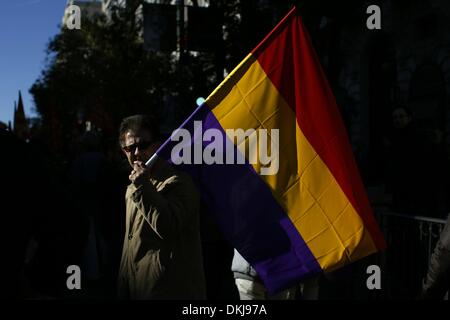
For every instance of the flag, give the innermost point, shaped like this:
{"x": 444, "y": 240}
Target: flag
{"x": 310, "y": 214}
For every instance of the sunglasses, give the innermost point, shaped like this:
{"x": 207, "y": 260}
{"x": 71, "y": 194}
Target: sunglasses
{"x": 141, "y": 145}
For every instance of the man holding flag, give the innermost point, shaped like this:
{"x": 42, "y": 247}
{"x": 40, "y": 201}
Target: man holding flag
{"x": 309, "y": 216}
{"x": 161, "y": 257}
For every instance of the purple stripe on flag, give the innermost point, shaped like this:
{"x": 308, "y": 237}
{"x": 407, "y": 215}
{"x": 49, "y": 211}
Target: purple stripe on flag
{"x": 247, "y": 213}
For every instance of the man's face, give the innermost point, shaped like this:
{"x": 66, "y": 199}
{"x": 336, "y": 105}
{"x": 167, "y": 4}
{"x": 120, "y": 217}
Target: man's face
{"x": 138, "y": 146}
{"x": 400, "y": 118}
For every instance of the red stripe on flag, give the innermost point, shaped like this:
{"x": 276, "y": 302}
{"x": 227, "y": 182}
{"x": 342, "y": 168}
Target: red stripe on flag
{"x": 289, "y": 60}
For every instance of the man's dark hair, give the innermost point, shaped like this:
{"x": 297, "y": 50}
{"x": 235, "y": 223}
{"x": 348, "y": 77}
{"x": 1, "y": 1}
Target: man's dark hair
{"x": 408, "y": 110}
{"x": 136, "y": 123}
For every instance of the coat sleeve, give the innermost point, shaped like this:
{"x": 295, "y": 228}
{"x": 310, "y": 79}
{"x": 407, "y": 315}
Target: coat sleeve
{"x": 437, "y": 279}
{"x": 170, "y": 210}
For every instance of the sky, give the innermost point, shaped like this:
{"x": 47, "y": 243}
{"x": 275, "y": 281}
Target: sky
{"x": 26, "y": 27}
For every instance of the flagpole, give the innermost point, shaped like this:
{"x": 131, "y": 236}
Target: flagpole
{"x": 151, "y": 161}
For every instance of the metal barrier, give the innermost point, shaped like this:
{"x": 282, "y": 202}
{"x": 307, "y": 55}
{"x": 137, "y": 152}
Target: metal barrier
{"x": 403, "y": 265}
{"x": 411, "y": 241}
